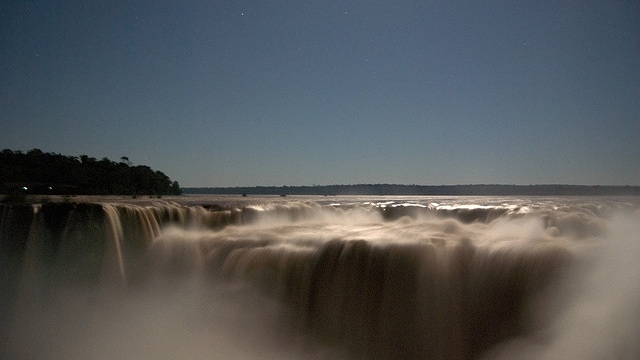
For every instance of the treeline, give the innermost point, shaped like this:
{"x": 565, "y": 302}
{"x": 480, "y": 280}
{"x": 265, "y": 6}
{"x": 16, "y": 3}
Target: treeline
{"x": 434, "y": 190}
{"x": 37, "y": 172}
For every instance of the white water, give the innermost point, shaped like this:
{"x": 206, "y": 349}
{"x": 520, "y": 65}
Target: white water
{"x": 344, "y": 277}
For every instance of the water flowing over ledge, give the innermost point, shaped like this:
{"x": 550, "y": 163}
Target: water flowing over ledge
{"x": 315, "y": 277}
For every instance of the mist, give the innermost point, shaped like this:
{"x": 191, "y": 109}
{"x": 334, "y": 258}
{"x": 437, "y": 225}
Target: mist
{"x": 415, "y": 278}
{"x": 595, "y": 311}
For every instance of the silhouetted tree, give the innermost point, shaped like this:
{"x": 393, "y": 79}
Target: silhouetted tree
{"x": 41, "y": 172}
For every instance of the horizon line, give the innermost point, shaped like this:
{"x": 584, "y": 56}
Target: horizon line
{"x": 399, "y": 184}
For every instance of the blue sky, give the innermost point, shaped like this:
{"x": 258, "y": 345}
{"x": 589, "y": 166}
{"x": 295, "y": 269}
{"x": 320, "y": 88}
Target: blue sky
{"x": 242, "y": 93}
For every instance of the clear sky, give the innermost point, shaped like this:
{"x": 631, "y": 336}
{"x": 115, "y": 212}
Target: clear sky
{"x": 243, "y": 93}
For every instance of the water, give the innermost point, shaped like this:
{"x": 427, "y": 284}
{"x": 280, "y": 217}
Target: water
{"x": 355, "y": 277}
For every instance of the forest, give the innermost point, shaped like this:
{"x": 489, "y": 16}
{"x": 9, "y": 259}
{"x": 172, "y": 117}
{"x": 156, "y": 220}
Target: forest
{"x": 37, "y": 172}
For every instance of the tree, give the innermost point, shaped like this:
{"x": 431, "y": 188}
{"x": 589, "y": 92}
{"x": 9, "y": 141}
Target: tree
{"x": 49, "y": 173}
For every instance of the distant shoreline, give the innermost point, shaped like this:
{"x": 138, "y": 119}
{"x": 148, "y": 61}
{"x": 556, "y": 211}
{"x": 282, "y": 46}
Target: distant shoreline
{"x": 394, "y": 189}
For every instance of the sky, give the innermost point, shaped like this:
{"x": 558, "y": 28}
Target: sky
{"x": 247, "y": 93}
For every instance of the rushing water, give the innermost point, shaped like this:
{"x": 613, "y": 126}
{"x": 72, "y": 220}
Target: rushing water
{"x": 202, "y": 277}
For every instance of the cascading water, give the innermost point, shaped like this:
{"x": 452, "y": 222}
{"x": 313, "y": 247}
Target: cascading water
{"x": 353, "y": 278}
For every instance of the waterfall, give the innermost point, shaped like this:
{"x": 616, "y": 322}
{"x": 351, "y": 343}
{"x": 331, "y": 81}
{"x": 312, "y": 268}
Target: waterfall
{"x": 361, "y": 279}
